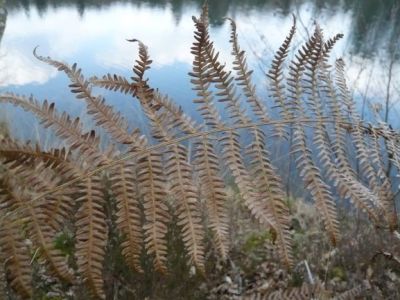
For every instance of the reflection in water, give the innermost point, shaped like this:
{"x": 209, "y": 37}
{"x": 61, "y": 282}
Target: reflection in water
{"x": 93, "y": 33}
{"x": 375, "y": 23}
{"x": 3, "y": 18}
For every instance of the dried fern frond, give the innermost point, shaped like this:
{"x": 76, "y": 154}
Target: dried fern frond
{"x": 304, "y": 292}
{"x": 91, "y": 236}
{"x": 243, "y": 77}
{"x": 311, "y": 174}
{"x": 179, "y": 173}
{"x": 14, "y": 253}
{"x": 200, "y": 81}
{"x": 223, "y": 82}
{"x": 178, "y": 119}
{"x": 277, "y": 78}
{"x": 65, "y": 128}
{"x": 142, "y": 64}
{"x": 357, "y": 292}
{"x": 14, "y": 153}
{"x": 114, "y": 82}
{"x": 152, "y": 186}
{"x": 123, "y": 180}
{"x": 271, "y": 190}
{"x": 155, "y": 180}
{"x": 214, "y": 73}
{"x": 177, "y": 169}
{"x": 233, "y": 159}
{"x": 214, "y": 191}
{"x": 38, "y": 228}
{"x": 103, "y": 114}
{"x": 371, "y": 175}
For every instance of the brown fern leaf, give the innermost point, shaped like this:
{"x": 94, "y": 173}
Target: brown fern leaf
{"x": 276, "y": 77}
{"x": 65, "y": 128}
{"x": 151, "y": 183}
{"x": 142, "y": 64}
{"x": 346, "y": 184}
{"x": 200, "y": 76}
{"x": 244, "y": 77}
{"x": 103, "y": 114}
{"x": 48, "y": 169}
{"x": 206, "y": 69}
{"x": 340, "y": 170}
{"x": 40, "y": 232}
{"x": 358, "y": 292}
{"x": 179, "y": 174}
{"x": 328, "y": 46}
{"x": 386, "y": 195}
{"x": 310, "y": 81}
{"x": 57, "y": 207}
{"x": 314, "y": 183}
{"x": 214, "y": 191}
{"x": 123, "y": 180}
{"x": 269, "y": 184}
{"x": 15, "y": 256}
{"x": 339, "y": 136}
{"x": 304, "y": 292}
{"x": 176, "y": 116}
{"x": 223, "y": 81}
{"x": 363, "y": 155}
{"x": 14, "y": 153}
{"x": 392, "y": 144}
{"x": 91, "y": 236}
{"x": 144, "y": 92}
{"x": 252, "y": 199}
{"x": 202, "y": 68}
{"x": 114, "y": 83}
{"x": 297, "y": 68}
{"x": 310, "y": 173}
{"x": 13, "y": 251}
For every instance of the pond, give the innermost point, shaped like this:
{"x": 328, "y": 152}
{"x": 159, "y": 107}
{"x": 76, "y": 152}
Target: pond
{"x": 93, "y": 34}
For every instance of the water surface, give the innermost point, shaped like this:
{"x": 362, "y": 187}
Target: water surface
{"x": 93, "y": 34}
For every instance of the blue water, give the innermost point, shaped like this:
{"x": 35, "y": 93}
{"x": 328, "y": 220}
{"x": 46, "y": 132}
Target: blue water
{"x": 94, "y": 33}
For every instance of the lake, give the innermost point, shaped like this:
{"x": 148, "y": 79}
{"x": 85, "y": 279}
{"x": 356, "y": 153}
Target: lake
{"x": 93, "y": 34}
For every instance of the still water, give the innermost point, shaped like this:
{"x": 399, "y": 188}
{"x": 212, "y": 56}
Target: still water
{"x": 93, "y": 34}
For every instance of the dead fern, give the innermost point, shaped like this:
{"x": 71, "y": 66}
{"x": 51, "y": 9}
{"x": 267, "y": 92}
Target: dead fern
{"x": 46, "y": 191}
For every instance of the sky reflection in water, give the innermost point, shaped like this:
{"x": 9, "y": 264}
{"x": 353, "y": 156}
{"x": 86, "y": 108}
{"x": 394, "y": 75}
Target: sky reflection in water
{"x": 96, "y": 40}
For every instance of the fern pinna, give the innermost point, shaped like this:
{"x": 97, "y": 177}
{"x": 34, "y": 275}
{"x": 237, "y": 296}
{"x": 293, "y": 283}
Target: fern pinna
{"x": 160, "y": 178}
